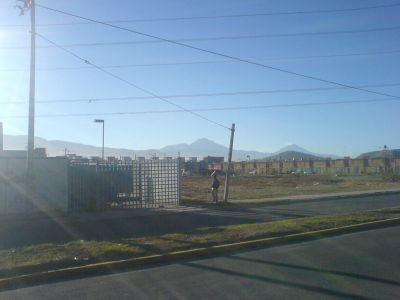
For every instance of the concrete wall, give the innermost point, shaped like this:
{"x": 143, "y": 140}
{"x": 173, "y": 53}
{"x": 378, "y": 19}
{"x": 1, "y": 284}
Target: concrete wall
{"x": 1, "y": 136}
{"x": 49, "y": 190}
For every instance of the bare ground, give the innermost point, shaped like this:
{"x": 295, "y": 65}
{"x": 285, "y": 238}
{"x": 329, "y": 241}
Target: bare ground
{"x": 198, "y": 188}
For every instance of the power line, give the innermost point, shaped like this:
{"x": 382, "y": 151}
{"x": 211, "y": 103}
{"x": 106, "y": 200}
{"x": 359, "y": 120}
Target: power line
{"x": 385, "y": 52}
{"x": 209, "y": 17}
{"x": 220, "y": 38}
{"x": 221, "y": 54}
{"x": 130, "y": 83}
{"x": 208, "y": 109}
{"x": 197, "y": 95}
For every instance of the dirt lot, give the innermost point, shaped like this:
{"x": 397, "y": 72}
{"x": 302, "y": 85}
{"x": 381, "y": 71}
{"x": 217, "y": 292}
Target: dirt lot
{"x": 197, "y": 188}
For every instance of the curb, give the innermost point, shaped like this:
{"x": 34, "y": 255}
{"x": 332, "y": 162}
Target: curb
{"x": 172, "y": 257}
{"x": 282, "y": 200}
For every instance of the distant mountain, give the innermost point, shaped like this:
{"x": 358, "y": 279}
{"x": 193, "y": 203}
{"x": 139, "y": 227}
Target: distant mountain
{"x": 199, "y": 148}
{"x": 58, "y": 148}
{"x": 292, "y": 147}
{"x": 296, "y": 148}
{"x": 203, "y": 147}
{"x": 395, "y": 153}
{"x": 289, "y": 155}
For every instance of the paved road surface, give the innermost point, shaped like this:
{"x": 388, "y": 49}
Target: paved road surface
{"x": 363, "y": 265}
{"x": 150, "y": 222}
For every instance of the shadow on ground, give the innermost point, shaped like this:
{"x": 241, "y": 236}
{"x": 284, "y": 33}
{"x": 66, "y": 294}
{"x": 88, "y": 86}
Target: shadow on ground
{"x": 116, "y": 225}
{"x": 63, "y": 229}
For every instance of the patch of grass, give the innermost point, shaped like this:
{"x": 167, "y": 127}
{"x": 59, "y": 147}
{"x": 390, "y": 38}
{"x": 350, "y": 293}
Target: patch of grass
{"x": 50, "y": 256}
{"x": 197, "y": 188}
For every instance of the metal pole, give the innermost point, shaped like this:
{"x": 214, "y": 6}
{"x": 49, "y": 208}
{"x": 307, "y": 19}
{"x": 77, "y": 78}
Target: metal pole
{"x": 179, "y": 178}
{"x": 102, "y": 147}
{"x": 102, "y": 150}
{"x": 31, "y": 122}
{"x": 228, "y": 171}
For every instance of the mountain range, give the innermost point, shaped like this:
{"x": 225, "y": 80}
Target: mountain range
{"x": 393, "y": 153}
{"x": 289, "y": 155}
{"x": 299, "y": 150}
{"x": 199, "y": 148}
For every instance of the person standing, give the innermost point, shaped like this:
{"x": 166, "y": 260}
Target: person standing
{"x": 215, "y": 186}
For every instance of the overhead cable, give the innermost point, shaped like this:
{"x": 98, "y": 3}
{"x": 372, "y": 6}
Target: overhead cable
{"x": 130, "y": 83}
{"x": 397, "y": 101}
{"x": 195, "y": 95}
{"x": 210, "y": 17}
{"x": 201, "y": 62}
{"x": 221, "y": 54}
{"x": 204, "y": 39}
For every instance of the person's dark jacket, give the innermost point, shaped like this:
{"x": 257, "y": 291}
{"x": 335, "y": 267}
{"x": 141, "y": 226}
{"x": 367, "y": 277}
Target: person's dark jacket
{"x": 215, "y": 183}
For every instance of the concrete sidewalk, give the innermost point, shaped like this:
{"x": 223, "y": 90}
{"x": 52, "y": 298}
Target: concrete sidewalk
{"x": 193, "y": 207}
{"x": 143, "y": 212}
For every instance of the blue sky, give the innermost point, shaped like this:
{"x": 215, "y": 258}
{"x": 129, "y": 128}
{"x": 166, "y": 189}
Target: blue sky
{"x": 339, "y": 129}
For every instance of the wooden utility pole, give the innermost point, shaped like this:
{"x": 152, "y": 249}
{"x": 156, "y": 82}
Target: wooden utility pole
{"x": 229, "y": 169}
{"x": 31, "y": 122}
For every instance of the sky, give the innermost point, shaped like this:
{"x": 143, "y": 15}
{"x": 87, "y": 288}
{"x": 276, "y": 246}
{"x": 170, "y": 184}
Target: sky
{"x": 341, "y": 129}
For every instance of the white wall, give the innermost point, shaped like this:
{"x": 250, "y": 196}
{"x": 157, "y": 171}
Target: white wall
{"x": 48, "y": 193}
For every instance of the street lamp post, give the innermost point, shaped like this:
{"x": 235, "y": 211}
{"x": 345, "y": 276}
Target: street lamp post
{"x": 102, "y": 148}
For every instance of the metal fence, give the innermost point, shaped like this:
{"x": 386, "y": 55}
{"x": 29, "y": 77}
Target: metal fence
{"x": 141, "y": 184}
{"x": 156, "y": 183}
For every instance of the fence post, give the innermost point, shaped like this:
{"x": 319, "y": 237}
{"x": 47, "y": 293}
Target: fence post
{"x": 179, "y": 180}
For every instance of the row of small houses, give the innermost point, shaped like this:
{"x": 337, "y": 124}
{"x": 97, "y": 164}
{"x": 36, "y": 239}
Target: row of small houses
{"x": 327, "y": 166}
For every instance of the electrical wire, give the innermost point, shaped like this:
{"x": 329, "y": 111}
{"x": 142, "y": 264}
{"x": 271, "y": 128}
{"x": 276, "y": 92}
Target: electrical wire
{"x": 208, "y": 109}
{"x": 372, "y": 53}
{"x": 130, "y": 83}
{"x": 220, "y": 54}
{"x": 204, "y": 39}
{"x": 210, "y": 17}
{"x": 197, "y": 95}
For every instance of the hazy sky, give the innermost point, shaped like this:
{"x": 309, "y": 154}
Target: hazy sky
{"x": 345, "y": 129}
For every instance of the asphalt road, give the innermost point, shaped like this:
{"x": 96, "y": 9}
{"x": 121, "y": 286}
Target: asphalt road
{"x": 138, "y": 223}
{"x": 363, "y": 265}
{"x": 305, "y": 208}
